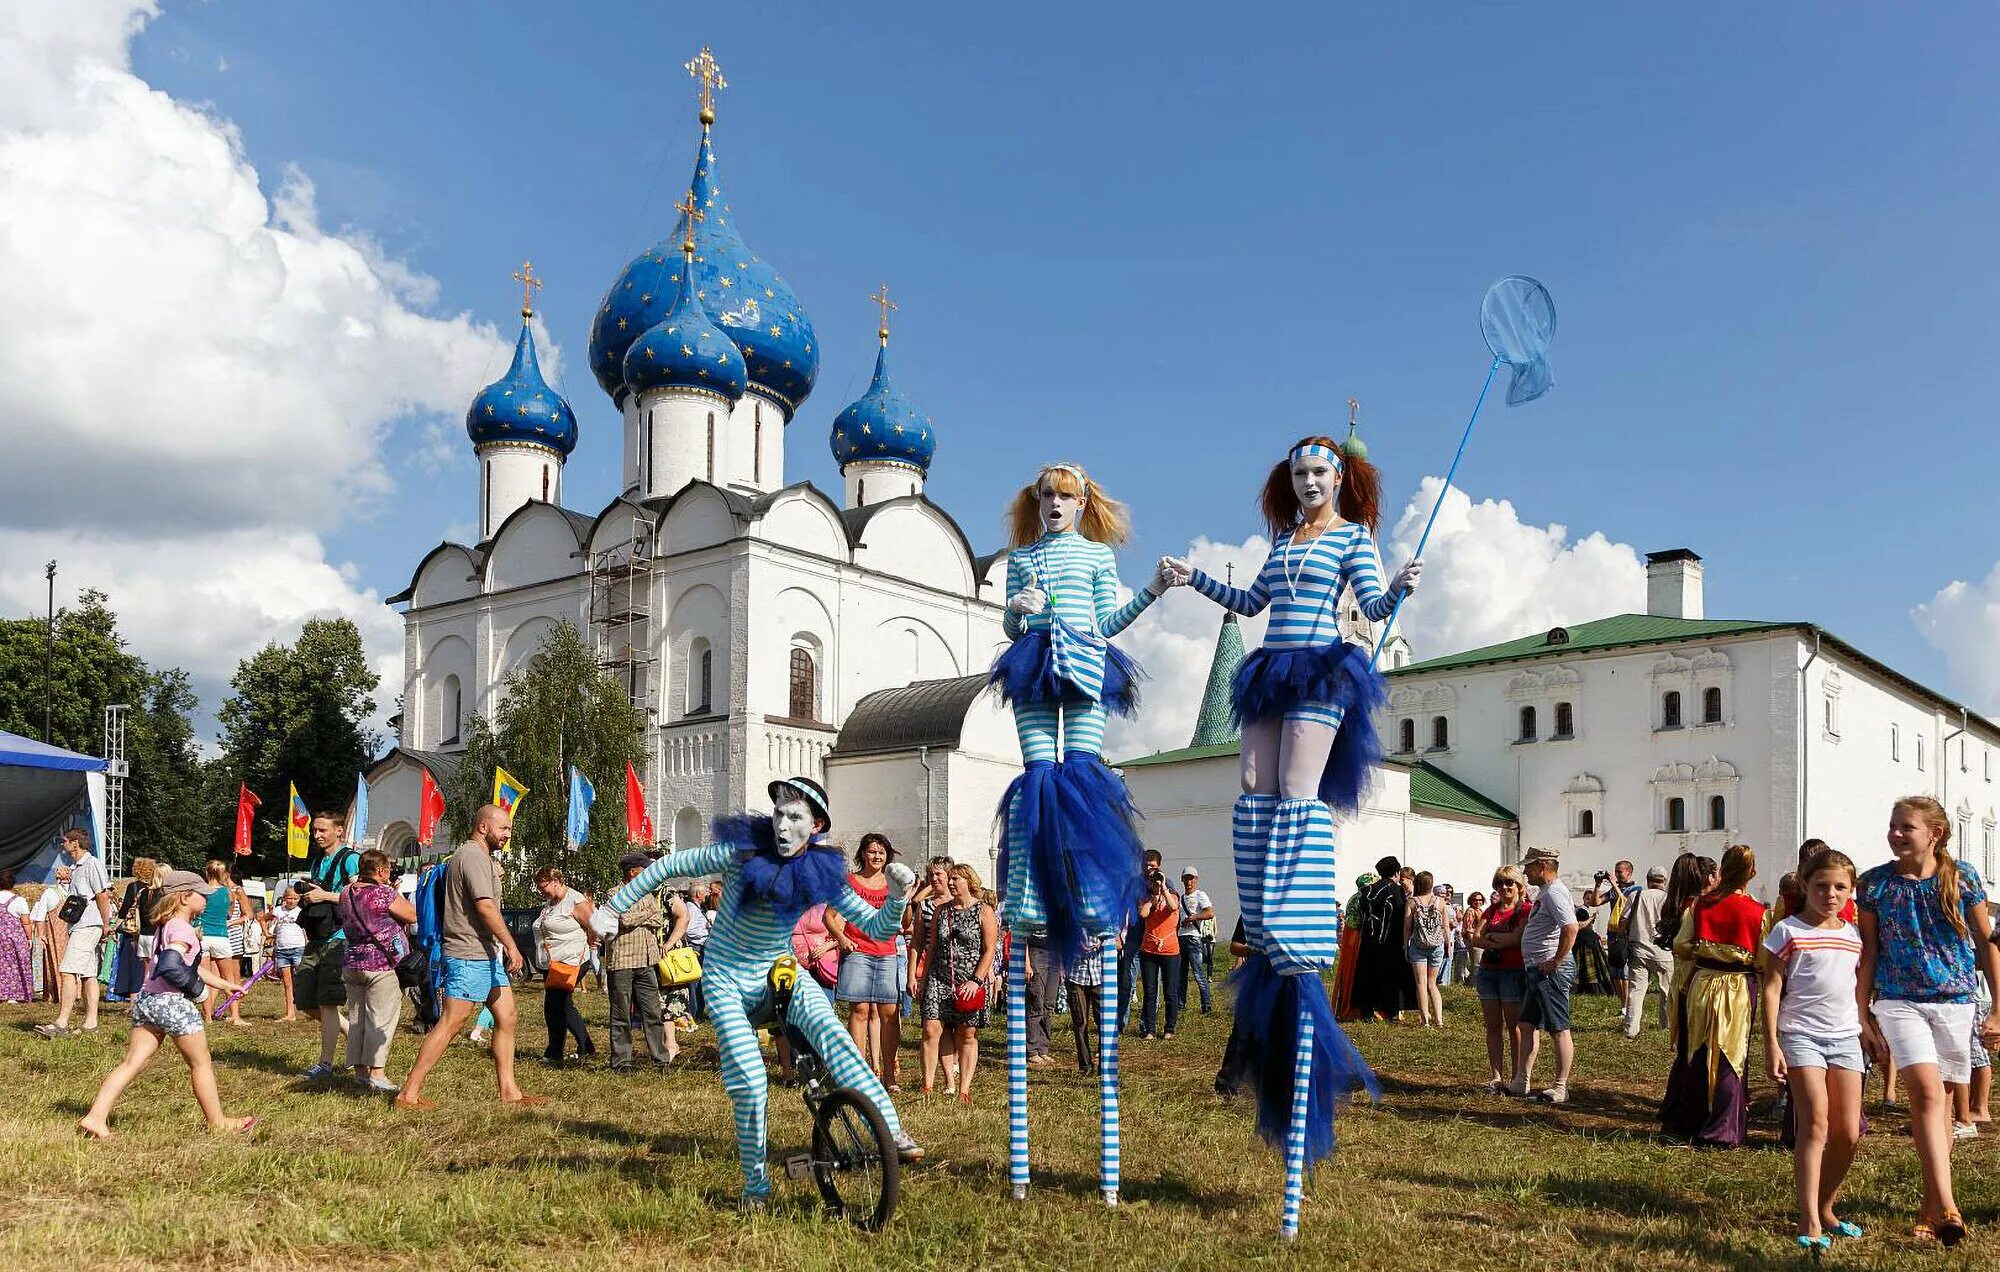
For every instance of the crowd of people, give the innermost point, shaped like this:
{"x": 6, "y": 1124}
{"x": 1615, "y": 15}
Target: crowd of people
{"x": 1849, "y": 971}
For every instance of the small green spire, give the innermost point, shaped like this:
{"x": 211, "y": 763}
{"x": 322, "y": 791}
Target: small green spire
{"x": 1214, "y": 725}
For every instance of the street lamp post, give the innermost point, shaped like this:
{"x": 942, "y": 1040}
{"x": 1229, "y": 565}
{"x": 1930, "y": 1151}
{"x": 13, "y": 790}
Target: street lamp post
{"x": 48, "y": 658}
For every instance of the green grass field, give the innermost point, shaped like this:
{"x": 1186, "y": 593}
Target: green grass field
{"x": 640, "y": 1171}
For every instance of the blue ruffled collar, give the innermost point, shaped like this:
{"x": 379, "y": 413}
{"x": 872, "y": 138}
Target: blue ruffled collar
{"x": 789, "y": 885}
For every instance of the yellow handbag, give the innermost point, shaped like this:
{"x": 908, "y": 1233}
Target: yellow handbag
{"x": 679, "y": 966}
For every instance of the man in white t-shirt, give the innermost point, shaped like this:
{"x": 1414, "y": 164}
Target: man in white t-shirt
{"x": 78, "y": 972}
{"x": 1196, "y": 909}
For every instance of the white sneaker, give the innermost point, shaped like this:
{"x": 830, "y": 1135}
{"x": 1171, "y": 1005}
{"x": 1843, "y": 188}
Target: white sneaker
{"x": 1553, "y": 1095}
{"x": 908, "y": 1149}
{"x": 1964, "y": 1130}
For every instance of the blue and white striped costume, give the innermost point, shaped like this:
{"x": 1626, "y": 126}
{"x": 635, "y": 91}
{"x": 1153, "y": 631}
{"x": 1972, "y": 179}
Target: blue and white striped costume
{"x": 1070, "y": 865}
{"x": 1285, "y": 854}
{"x": 746, "y": 938}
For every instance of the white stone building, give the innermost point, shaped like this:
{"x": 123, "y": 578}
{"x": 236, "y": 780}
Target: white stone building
{"x": 749, "y": 617}
{"x": 1641, "y": 736}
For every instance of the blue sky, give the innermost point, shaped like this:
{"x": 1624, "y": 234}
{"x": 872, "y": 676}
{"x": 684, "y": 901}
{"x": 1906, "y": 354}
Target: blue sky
{"x": 1165, "y": 240}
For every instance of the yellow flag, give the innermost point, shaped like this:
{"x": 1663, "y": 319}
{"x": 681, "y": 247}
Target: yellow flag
{"x": 298, "y": 822}
{"x": 508, "y": 790}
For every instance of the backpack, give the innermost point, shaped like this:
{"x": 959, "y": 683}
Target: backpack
{"x": 1427, "y": 929}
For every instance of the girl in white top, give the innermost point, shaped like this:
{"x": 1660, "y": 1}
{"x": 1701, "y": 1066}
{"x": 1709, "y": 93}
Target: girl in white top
{"x": 1812, "y": 1035}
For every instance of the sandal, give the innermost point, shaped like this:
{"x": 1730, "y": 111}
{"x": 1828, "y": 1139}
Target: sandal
{"x": 1815, "y": 1246}
{"x": 1842, "y": 1228}
{"x": 1950, "y": 1229}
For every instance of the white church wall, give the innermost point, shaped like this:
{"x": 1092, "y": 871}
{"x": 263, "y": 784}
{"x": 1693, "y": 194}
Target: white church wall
{"x": 911, "y": 541}
{"x": 977, "y": 783}
{"x": 448, "y": 691}
{"x": 698, "y": 620}
{"x": 534, "y": 547}
{"x": 804, "y": 521}
{"x": 511, "y": 475}
{"x": 993, "y": 585}
{"x": 699, "y": 517}
{"x": 796, "y": 616}
{"x": 673, "y": 440}
{"x": 448, "y": 575}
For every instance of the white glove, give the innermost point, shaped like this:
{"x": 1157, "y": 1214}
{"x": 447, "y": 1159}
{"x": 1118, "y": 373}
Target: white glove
{"x": 1408, "y": 577}
{"x": 1171, "y": 573}
{"x": 604, "y": 921}
{"x": 1030, "y": 599}
{"x": 900, "y": 879}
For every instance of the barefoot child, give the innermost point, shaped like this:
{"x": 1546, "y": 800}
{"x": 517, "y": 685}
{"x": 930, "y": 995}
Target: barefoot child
{"x": 1925, "y": 946}
{"x": 1812, "y": 1034}
{"x": 168, "y": 1005}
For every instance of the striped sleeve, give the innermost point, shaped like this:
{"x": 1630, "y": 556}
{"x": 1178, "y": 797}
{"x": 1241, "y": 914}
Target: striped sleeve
{"x": 1017, "y": 578}
{"x": 710, "y": 859}
{"x": 1238, "y": 600}
{"x": 1113, "y": 618}
{"x": 1363, "y": 568}
{"x": 877, "y": 923}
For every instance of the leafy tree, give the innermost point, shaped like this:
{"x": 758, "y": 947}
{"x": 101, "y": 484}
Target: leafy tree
{"x": 90, "y": 669}
{"x": 295, "y": 714}
{"x": 559, "y": 709}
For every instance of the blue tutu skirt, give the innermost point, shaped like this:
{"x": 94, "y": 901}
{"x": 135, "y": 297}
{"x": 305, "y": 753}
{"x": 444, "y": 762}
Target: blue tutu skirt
{"x": 1272, "y": 682}
{"x": 1026, "y": 675}
{"x": 1263, "y": 1054}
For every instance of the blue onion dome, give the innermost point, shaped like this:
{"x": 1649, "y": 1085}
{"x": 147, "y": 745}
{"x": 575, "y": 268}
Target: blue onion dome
{"x": 520, "y": 406}
{"x": 884, "y": 425}
{"x": 742, "y": 293}
{"x": 686, "y": 350}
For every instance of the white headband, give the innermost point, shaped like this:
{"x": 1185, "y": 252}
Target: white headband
{"x": 1305, "y": 449}
{"x": 1071, "y": 469}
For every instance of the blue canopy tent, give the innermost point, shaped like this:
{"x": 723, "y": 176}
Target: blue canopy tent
{"x": 44, "y": 790}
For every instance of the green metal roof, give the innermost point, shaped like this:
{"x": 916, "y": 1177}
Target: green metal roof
{"x": 1603, "y": 633}
{"x": 1432, "y": 787}
{"x": 1213, "y": 724}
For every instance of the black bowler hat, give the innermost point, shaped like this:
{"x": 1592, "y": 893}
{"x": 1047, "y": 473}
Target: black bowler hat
{"x": 814, "y": 793}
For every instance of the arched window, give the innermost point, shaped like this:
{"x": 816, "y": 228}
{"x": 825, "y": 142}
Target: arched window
{"x": 711, "y": 446}
{"x": 861, "y": 491}
{"x": 1670, "y": 709}
{"x": 700, "y": 678}
{"x": 1407, "y": 737}
{"x": 757, "y": 442}
{"x": 1440, "y": 734}
{"x": 1527, "y": 724}
{"x": 1711, "y": 705}
{"x": 1718, "y": 813}
{"x": 805, "y": 686}
{"x": 451, "y": 714}
{"x": 1586, "y": 822}
{"x": 1677, "y": 814}
{"x": 1565, "y": 720}
{"x": 545, "y": 483}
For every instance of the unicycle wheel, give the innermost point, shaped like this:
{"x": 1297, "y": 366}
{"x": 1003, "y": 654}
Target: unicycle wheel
{"x": 854, "y": 1159}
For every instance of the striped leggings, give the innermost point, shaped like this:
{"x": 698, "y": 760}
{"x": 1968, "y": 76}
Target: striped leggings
{"x": 1048, "y": 731}
{"x": 1284, "y": 842}
{"x": 731, "y": 993}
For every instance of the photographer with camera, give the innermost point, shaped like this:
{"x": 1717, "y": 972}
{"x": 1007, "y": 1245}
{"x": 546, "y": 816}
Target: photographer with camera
{"x": 1617, "y": 891}
{"x": 1159, "y": 953}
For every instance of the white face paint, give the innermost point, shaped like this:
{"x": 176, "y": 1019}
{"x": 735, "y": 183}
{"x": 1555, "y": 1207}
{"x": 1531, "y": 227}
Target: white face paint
{"x": 792, "y": 823}
{"x": 1316, "y": 482}
{"x": 1060, "y": 511}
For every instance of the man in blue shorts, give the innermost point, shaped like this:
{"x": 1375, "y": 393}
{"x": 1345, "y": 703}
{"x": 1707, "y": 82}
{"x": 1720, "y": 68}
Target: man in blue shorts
{"x": 480, "y": 958}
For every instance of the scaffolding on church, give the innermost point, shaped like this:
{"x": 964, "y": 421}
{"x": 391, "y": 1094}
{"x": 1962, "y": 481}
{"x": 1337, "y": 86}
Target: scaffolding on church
{"x": 115, "y": 772}
{"x": 621, "y": 611}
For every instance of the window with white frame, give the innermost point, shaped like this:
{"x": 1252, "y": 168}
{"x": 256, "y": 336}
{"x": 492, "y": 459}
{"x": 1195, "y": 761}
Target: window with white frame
{"x": 1677, "y": 815}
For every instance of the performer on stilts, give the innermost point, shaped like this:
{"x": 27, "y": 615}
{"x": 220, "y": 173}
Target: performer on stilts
{"x": 1070, "y": 864}
{"x": 773, "y": 870}
{"x": 1303, "y": 701}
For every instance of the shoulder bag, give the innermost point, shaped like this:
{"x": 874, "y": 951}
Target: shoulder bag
{"x": 679, "y": 966}
{"x": 412, "y": 970}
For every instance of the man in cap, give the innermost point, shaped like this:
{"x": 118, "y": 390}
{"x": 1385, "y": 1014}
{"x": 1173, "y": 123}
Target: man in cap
{"x": 773, "y": 870}
{"x": 1646, "y": 955}
{"x": 1547, "y": 940}
{"x": 631, "y": 959}
{"x": 1196, "y": 909}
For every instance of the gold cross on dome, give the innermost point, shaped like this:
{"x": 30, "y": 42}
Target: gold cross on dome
{"x": 526, "y": 277}
{"x": 690, "y": 213}
{"x": 881, "y": 298}
{"x": 705, "y": 69}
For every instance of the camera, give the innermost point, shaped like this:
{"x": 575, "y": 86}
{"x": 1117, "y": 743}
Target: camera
{"x": 1602, "y": 876}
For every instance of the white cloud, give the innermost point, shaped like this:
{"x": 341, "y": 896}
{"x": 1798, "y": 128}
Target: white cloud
{"x": 197, "y": 377}
{"x": 1963, "y": 622}
{"x": 1488, "y": 577}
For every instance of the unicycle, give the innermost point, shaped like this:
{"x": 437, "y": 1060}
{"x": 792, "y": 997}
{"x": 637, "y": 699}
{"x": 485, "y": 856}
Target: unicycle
{"x": 853, "y": 1159}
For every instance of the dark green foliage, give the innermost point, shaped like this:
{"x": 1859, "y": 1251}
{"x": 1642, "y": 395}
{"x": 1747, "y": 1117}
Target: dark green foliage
{"x": 559, "y": 709}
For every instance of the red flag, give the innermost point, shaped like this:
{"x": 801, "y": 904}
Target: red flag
{"x": 638, "y": 826}
{"x": 246, "y": 812}
{"x": 430, "y": 810}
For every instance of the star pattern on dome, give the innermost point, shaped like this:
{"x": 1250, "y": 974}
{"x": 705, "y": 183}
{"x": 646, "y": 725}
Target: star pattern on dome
{"x": 520, "y": 406}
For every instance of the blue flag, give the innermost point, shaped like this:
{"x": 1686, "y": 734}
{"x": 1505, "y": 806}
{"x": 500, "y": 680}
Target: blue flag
{"x": 581, "y": 796}
{"x": 357, "y": 818}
